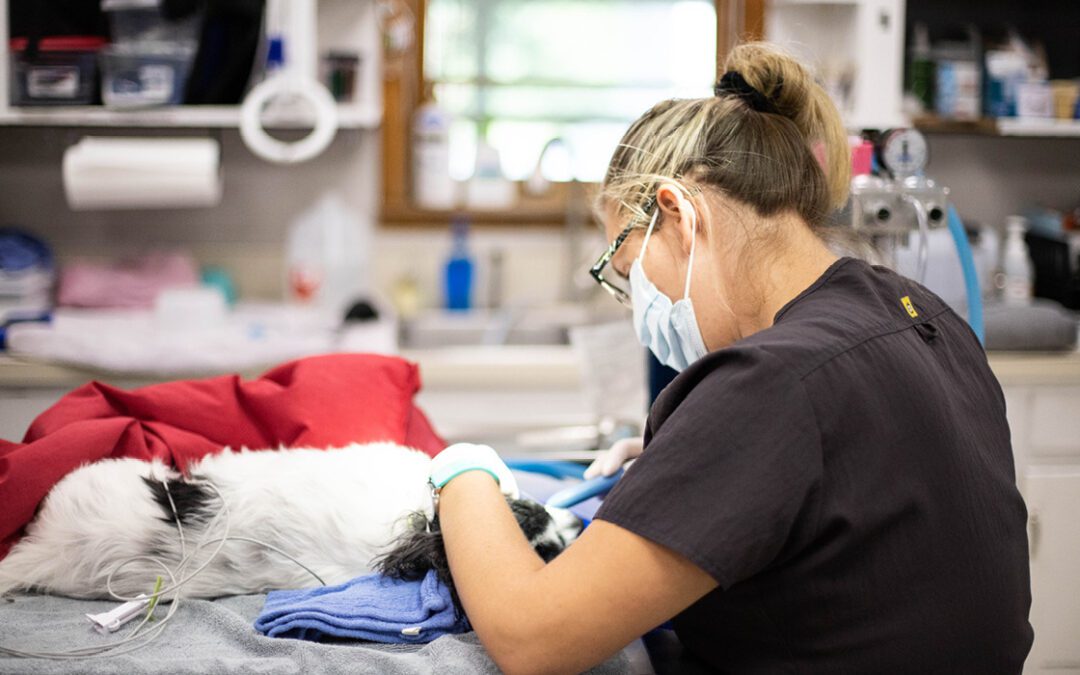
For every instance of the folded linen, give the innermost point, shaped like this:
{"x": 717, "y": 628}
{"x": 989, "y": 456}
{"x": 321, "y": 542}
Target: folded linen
{"x": 373, "y": 607}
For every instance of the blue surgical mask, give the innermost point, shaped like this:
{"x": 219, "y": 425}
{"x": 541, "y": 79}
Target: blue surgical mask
{"x": 669, "y": 330}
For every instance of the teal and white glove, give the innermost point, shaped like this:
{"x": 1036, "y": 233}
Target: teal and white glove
{"x": 461, "y": 457}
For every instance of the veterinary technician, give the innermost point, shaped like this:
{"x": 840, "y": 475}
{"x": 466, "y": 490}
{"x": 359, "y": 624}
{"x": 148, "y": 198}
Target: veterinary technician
{"x": 828, "y": 485}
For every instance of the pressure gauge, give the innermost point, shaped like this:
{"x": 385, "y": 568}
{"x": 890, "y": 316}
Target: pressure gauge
{"x": 904, "y": 151}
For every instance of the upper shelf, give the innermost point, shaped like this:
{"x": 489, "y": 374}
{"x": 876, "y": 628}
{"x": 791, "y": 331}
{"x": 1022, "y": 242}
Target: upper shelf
{"x": 1015, "y": 127}
{"x": 342, "y": 26}
{"x": 350, "y": 116}
{"x": 1049, "y": 128}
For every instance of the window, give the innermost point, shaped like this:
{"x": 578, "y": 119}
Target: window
{"x": 519, "y": 73}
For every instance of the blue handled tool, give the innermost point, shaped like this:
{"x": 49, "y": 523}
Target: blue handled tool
{"x": 548, "y": 467}
{"x": 572, "y": 494}
{"x": 575, "y": 494}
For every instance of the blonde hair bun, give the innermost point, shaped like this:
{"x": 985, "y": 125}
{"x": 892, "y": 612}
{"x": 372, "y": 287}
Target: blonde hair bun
{"x": 771, "y": 139}
{"x": 793, "y": 91}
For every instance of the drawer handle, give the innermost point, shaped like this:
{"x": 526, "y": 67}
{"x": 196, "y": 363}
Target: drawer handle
{"x": 1033, "y": 533}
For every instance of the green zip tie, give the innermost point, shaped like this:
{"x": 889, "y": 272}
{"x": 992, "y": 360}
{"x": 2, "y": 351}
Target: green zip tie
{"x": 153, "y": 598}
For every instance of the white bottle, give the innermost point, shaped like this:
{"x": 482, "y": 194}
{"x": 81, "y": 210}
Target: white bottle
{"x": 1016, "y": 263}
{"x": 433, "y": 188}
{"x": 327, "y": 257}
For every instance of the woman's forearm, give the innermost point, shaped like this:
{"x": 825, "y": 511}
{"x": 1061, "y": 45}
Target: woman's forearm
{"x": 609, "y": 587}
{"x": 491, "y": 562}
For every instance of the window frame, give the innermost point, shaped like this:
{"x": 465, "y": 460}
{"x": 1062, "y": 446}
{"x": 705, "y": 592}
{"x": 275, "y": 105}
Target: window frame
{"x": 403, "y": 84}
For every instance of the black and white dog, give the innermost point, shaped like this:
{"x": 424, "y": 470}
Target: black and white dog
{"x": 341, "y": 512}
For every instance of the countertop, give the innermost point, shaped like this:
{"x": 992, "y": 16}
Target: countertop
{"x": 513, "y": 367}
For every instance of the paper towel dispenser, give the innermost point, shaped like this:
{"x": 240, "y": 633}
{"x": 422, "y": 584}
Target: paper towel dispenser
{"x": 142, "y": 173}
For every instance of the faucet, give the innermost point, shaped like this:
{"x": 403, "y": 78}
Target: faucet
{"x": 573, "y": 233}
{"x": 574, "y": 217}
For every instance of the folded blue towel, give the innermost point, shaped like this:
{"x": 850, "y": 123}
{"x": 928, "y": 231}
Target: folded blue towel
{"x": 374, "y": 607}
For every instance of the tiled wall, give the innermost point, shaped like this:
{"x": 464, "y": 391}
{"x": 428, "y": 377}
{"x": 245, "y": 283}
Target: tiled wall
{"x": 989, "y": 177}
{"x": 246, "y": 232}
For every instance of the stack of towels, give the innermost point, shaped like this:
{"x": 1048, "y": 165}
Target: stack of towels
{"x": 375, "y": 608}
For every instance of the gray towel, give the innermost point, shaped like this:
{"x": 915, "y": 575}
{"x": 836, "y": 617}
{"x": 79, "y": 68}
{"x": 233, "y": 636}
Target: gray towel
{"x": 1042, "y": 326}
{"x": 217, "y": 637}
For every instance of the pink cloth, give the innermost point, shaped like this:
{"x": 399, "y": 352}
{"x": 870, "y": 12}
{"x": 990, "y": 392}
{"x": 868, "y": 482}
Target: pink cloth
{"x": 132, "y": 283}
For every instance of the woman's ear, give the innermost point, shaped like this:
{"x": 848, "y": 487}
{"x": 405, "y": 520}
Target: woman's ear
{"x": 677, "y": 211}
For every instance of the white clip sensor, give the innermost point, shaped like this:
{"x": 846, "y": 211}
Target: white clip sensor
{"x": 109, "y": 622}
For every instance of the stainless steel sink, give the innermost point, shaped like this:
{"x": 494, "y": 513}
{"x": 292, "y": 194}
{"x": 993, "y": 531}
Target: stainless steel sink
{"x": 533, "y": 326}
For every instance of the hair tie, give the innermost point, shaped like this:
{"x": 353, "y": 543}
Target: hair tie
{"x": 734, "y": 84}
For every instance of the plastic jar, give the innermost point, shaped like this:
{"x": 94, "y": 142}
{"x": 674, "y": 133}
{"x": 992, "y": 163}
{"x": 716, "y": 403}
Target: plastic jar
{"x": 63, "y": 71}
{"x": 142, "y": 21}
{"x": 136, "y": 76}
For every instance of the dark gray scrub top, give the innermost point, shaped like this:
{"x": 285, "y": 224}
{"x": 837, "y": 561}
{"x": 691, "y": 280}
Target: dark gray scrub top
{"x": 846, "y": 476}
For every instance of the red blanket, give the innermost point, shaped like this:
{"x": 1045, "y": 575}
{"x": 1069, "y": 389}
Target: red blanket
{"x": 322, "y": 401}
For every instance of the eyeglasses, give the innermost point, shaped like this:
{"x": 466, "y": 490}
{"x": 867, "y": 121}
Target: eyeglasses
{"x": 618, "y": 287}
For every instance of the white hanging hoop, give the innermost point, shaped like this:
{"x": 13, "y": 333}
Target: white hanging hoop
{"x": 272, "y": 149}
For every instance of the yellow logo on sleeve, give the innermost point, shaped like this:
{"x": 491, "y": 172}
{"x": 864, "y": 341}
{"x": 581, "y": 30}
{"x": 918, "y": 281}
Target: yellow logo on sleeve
{"x": 906, "y": 302}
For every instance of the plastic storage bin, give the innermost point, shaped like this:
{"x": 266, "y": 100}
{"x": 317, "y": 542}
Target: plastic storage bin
{"x": 62, "y": 72}
{"x": 141, "y": 21}
{"x": 135, "y": 77}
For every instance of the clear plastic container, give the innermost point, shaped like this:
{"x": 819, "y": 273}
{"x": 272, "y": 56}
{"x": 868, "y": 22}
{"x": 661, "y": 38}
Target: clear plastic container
{"x": 144, "y": 75}
{"x": 62, "y": 72}
{"x": 1016, "y": 263}
{"x": 132, "y": 21}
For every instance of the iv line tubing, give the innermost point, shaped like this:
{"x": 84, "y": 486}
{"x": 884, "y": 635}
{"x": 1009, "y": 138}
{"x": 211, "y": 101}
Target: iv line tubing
{"x": 134, "y": 640}
{"x": 924, "y": 235}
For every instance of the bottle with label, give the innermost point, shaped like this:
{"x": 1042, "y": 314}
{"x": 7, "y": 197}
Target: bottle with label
{"x": 1016, "y": 263}
{"x": 459, "y": 270}
{"x": 433, "y": 188}
{"x": 921, "y": 67}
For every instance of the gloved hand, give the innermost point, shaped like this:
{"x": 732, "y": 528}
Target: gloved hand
{"x": 461, "y": 457}
{"x": 610, "y": 461}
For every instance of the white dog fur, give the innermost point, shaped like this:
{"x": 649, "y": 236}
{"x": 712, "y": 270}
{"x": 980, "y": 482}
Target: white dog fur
{"x": 334, "y": 510}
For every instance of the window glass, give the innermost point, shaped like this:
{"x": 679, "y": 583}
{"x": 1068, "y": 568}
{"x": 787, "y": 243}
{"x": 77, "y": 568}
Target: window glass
{"x": 518, "y": 73}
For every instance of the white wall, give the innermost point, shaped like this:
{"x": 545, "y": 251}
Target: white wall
{"x": 246, "y": 232}
{"x": 992, "y": 177}
{"x": 989, "y": 177}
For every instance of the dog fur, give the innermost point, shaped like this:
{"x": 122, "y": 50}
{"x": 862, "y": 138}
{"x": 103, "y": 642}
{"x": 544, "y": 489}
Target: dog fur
{"x": 342, "y": 512}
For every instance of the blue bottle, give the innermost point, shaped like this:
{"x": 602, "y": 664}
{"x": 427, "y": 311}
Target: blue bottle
{"x": 459, "y": 271}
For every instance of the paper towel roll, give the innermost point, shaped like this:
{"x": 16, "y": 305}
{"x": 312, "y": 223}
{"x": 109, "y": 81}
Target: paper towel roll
{"x": 142, "y": 173}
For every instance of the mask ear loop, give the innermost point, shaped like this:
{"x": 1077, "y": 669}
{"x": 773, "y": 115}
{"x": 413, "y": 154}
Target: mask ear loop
{"x": 648, "y": 233}
{"x": 693, "y": 246}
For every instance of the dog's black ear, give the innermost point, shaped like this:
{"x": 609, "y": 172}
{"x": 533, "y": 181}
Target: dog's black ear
{"x": 192, "y": 499}
{"x": 415, "y": 552}
{"x": 531, "y": 517}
